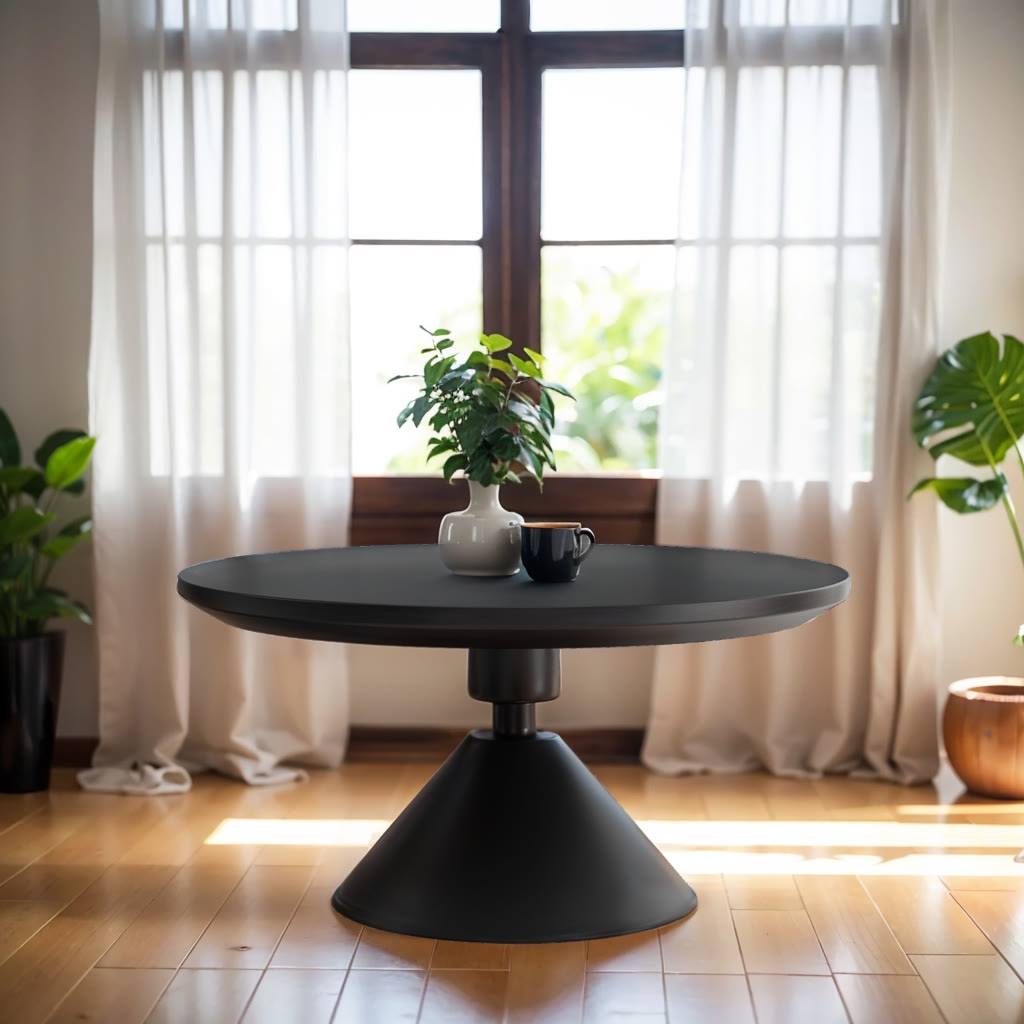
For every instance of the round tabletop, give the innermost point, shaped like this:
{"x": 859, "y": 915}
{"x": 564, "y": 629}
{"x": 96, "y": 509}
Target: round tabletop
{"x": 626, "y": 595}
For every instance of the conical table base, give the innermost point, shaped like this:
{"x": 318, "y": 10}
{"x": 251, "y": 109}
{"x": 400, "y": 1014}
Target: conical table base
{"x": 514, "y": 840}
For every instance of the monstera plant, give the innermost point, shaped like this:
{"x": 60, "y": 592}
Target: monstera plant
{"x": 972, "y": 408}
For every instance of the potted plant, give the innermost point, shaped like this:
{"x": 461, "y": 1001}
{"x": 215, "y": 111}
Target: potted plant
{"x": 491, "y": 417}
{"x": 31, "y": 656}
{"x": 972, "y": 408}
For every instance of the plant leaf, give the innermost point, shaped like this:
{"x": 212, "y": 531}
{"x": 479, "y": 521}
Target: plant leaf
{"x": 977, "y": 391}
{"x": 12, "y": 567}
{"x": 526, "y": 368}
{"x": 67, "y": 538}
{"x": 495, "y": 342}
{"x": 453, "y": 464}
{"x": 14, "y": 478}
{"x": 559, "y": 388}
{"x": 68, "y": 462}
{"x": 57, "y": 439}
{"x": 10, "y": 450}
{"x": 48, "y": 604}
{"x": 502, "y": 367}
{"x": 444, "y": 345}
{"x": 965, "y": 494}
{"x": 21, "y": 524}
{"x": 534, "y": 355}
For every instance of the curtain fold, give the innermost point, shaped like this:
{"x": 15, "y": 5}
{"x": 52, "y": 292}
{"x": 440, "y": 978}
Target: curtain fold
{"x": 806, "y": 310}
{"x": 218, "y": 378}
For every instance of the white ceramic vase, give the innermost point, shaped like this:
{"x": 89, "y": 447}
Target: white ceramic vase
{"x": 483, "y": 539}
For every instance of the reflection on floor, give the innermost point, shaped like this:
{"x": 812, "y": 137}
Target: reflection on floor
{"x": 821, "y": 901}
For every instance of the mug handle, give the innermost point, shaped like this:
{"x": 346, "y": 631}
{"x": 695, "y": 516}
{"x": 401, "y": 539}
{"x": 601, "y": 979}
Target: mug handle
{"x": 582, "y": 532}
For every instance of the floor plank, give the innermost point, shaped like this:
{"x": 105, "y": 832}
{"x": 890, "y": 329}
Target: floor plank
{"x": 107, "y": 994}
{"x": 165, "y": 932}
{"x": 637, "y": 952}
{"x": 372, "y": 997}
{"x": 924, "y": 916}
{"x": 763, "y": 892}
{"x": 628, "y": 998}
{"x": 985, "y": 883}
{"x": 15, "y": 807}
{"x": 700, "y": 998}
{"x": 19, "y": 921}
{"x": 545, "y": 983}
{"x": 464, "y": 997}
{"x": 705, "y": 942}
{"x": 796, "y": 999}
{"x": 387, "y": 951}
{"x": 779, "y": 942}
{"x": 289, "y": 994}
{"x": 1000, "y": 915}
{"x": 32, "y": 837}
{"x": 205, "y": 997}
{"x": 887, "y": 999}
{"x": 44, "y": 969}
{"x": 853, "y": 934}
{"x": 971, "y": 989}
{"x": 470, "y": 956}
{"x": 245, "y": 930}
{"x": 317, "y": 935}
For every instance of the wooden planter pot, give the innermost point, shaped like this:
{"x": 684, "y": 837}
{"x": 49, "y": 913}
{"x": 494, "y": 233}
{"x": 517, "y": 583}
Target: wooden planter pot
{"x": 983, "y": 728}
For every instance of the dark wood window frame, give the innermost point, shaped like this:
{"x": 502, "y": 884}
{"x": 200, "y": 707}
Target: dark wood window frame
{"x": 406, "y": 509}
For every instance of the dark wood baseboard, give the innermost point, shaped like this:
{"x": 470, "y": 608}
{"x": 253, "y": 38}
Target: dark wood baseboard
{"x": 416, "y": 743}
{"x": 73, "y": 751}
{"x": 381, "y": 743}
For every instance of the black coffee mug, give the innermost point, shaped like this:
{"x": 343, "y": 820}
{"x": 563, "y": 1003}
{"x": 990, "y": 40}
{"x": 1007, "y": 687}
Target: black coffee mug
{"x": 552, "y": 552}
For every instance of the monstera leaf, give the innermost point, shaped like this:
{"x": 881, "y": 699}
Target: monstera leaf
{"x": 965, "y": 494}
{"x": 975, "y": 399}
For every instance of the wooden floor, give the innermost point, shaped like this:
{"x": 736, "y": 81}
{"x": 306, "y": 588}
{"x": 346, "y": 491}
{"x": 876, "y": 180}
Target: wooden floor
{"x": 820, "y": 901}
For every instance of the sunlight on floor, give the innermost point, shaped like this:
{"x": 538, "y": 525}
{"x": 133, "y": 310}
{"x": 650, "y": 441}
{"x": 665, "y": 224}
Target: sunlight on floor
{"x": 297, "y": 832}
{"x": 731, "y": 847}
{"x": 830, "y": 833}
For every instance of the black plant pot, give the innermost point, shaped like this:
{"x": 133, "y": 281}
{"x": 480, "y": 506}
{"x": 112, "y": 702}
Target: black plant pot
{"x": 30, "y": 674}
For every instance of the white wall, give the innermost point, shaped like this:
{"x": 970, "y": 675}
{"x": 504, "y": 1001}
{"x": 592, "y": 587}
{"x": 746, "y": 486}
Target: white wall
{"x": 48, "y": 52}
{"x": 982, "y": 578}
{"x": 48, "y": 56}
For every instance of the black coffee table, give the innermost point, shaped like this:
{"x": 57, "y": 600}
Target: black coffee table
{"x": 513, "y": 839}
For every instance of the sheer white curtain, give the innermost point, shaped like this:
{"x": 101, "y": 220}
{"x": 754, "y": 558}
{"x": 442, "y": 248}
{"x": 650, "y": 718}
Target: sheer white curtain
{"x": 806, "y": 308}
{"x": 219, "y": 375}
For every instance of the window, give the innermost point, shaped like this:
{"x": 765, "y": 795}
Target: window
{"x": 554, "y": 107}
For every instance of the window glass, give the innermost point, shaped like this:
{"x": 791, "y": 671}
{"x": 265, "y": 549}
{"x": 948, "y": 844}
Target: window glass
{"x": 611, "y": 152}
{"x": 424, "y": 15}
{"x": 415, "y": 154}
{"x": 605, "y": 314}
{"x": 615, "y": 15}
{"x": 394, "y": 289}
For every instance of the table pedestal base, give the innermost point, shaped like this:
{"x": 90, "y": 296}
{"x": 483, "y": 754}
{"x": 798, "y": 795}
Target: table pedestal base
{"x": 514, "y": 840}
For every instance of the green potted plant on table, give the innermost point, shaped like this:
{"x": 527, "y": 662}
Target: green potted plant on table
{"x": 971, "y": 407}
{"x": 492, "y": 415}
{"x": 31, "y": 656}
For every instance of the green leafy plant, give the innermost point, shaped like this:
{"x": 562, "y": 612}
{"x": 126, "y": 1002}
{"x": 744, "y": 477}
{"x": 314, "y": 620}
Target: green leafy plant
{"x": 491, "y": 416}
{"x": 972, "y": 407}
{"x": 29, "y": 544}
